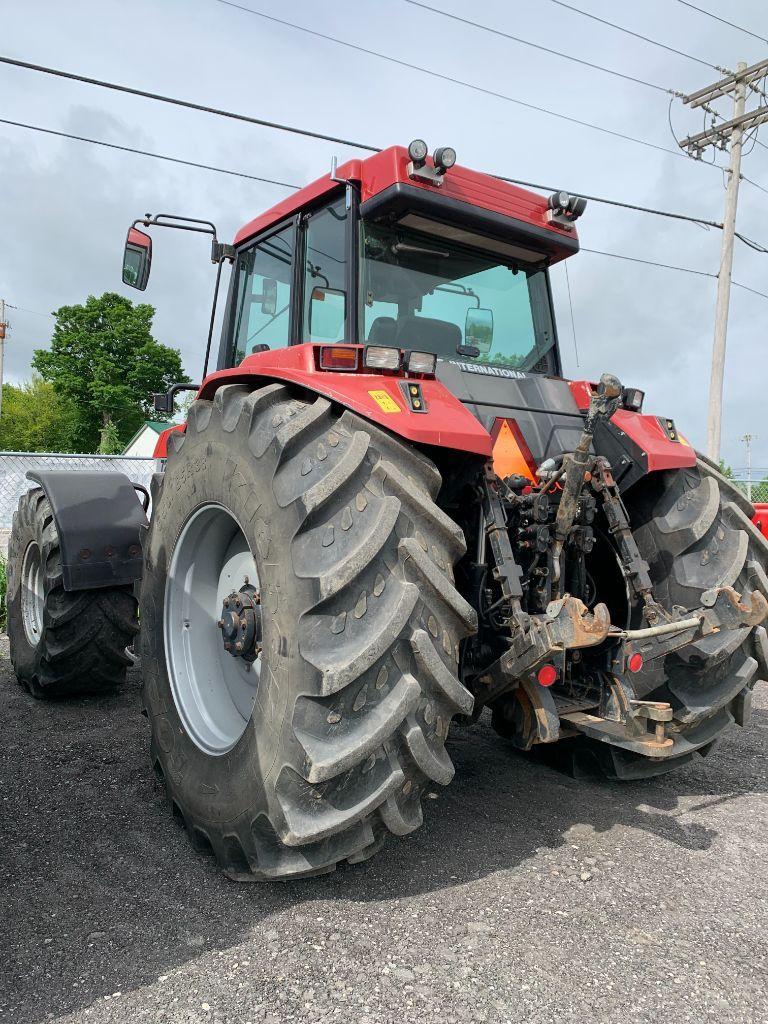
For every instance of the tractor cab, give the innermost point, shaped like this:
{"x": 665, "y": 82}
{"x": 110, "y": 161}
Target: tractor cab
{"x": 403, "y": 252}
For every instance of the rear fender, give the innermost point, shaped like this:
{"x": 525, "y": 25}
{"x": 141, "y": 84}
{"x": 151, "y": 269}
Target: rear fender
{"x": 636, "y": 443}
{"x": 381, "y": 398}
{"x": 98, "y": 519}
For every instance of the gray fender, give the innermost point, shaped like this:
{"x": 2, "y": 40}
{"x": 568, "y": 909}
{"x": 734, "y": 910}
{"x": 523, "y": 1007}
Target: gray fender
{"x": 98, "y": 517}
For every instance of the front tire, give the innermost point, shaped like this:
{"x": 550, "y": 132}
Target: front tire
{"x": 356, "y": 682}
{"x": 62, "y": 643}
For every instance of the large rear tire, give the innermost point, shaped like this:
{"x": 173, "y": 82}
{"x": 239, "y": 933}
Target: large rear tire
{"x": 344, "y": 724}
{"x": 694, "y": 528}
{"x": 62, "y": 643}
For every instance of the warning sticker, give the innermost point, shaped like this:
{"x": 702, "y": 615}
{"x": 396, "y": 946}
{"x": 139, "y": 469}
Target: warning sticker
{"x": 385, "y": 401}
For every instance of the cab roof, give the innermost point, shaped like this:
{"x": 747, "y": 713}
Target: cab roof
{"x": 387, "y": 172}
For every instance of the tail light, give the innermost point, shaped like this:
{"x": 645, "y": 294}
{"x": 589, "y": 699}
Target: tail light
{"x": 547, "y": 675}
{"x": 339, "y": 357}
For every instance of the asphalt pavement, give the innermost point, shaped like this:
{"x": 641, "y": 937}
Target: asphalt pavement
{"x": 526, "y": 896}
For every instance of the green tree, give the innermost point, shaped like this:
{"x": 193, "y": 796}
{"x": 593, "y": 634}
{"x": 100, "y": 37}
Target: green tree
{"x": 104, "y": 359}
{"x": 109, "y": 442}
{"x": 35, "y": 418}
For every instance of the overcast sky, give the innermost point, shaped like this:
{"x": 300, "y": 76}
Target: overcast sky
{"x": 65, "y": 206}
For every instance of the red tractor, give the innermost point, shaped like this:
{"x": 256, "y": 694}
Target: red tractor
{"x": 387, "y": 509}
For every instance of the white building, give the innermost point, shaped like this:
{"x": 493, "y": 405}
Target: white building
{"x": 142, "y": 444}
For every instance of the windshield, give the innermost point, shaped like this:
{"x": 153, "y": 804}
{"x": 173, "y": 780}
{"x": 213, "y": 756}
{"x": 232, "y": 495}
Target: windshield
{"x": 426, "y": 292}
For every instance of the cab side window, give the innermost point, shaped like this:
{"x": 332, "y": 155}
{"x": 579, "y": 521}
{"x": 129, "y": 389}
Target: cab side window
{"x": 325, "y": 270}
{"x": 263, "y": 277}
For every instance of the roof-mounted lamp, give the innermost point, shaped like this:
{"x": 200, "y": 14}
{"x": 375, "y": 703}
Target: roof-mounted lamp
{"x": 564, "y": 209}
{"x": 443, "y": 159}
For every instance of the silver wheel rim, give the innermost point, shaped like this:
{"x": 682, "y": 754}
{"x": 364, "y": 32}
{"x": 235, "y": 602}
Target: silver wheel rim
{"x": 214, "y": 692}
{"x": 32, "y": 595}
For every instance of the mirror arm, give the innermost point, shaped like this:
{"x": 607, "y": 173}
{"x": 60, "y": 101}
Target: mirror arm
{"x": 163, "y": 401}
{"x": 220, "y": 251}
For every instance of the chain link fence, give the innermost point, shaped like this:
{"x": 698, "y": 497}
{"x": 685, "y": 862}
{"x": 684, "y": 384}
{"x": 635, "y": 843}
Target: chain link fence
{"x": 14, "y": 466}
{"x": 755, "y": 490}
{"x": 13, "y": 475}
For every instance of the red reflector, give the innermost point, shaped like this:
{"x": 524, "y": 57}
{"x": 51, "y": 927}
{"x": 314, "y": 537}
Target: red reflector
{"x": 339, "y": 357}
{"x": 635, "y": 662}
{"x": 547, "y": 675}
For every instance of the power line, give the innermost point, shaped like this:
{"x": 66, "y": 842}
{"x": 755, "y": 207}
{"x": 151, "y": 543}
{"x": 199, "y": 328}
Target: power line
{"x": 746, "y": 288}
{"x": 650, "y": 263}
{"x": 754, "y": 183}
{"x": 723, "y": 21}
{"x": 184, "y": 103}
{"x": 450, "y": 78}
{"x": 702, "y": 222}
{"x": 751, "y": 243}
{"x": 144, "y": 152}
{"x": 190, "y": 105}
{"x": 271, "y": 181}
{"x": 637, "y": 35}
{"x": 538, "y": 46}
{"x": 670, "y": 266}
{"x": 22, "y": 309}
{"x": 570, "y": 304}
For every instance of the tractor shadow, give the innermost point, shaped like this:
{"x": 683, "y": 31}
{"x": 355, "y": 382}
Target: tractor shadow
{"x": 100, "y": 890}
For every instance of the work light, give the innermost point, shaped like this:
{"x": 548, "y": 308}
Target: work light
{"x": 417, "y": 151}
{"x": 421, "y": 362}
{"x": 377, "y": 357}
{"x": 444, "y": 157}
{"x": 632, "y": 399}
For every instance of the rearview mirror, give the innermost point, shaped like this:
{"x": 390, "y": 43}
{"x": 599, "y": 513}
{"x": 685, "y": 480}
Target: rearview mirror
{"x": 478, "y": 329}
{"x": 327, "y": 307}
{"x": 137, "y": 259}
{"x": 269, "y": 296}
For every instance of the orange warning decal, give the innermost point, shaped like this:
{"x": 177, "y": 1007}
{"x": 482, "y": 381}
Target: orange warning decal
{"x": 511, "y": 455}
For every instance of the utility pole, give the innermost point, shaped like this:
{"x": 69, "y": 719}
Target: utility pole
{"x": 3, "y": 329}
{"x": 748, "y": 439}
{"x": 724, "y": 135}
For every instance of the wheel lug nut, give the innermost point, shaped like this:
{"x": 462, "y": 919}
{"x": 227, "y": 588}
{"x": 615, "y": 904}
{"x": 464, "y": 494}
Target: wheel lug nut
{"x": 226, "y": 602}
{"x": 238, "y": 646}
{"x": 220, "y": 623}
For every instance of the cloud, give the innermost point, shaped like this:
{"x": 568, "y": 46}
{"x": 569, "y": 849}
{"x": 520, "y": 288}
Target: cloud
{"x": 65, "y": 206}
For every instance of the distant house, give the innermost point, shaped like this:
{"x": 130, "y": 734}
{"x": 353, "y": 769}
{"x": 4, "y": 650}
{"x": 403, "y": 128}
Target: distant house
{"x": 142, "y": 444}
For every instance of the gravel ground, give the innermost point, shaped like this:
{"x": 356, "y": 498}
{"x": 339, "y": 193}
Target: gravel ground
{"x": 527, "y": 895}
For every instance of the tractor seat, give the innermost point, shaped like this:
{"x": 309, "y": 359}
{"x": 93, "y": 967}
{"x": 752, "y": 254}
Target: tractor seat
{"x": 424, "y": 334}
{"x": 382, "y": 331}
